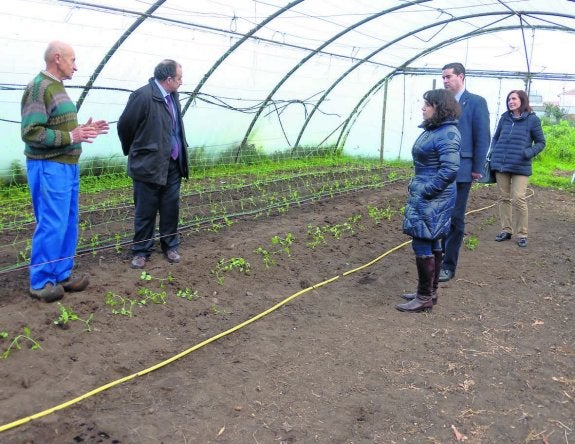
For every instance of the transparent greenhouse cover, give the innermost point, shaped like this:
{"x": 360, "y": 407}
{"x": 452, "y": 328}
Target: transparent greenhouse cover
{"x": 279, "y": 74}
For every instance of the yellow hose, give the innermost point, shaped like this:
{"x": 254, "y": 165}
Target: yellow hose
{"x": 207, "y": 341}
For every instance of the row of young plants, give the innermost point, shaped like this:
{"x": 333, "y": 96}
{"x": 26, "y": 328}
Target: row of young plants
{"x": 212, "y": 204}
{"x": 154, "y": 290}
{"x": 217, "y": 192}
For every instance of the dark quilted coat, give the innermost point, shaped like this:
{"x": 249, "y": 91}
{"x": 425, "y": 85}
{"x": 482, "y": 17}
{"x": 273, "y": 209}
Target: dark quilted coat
{"x": 517, "y": 140}
{"x": 432, "y": 190}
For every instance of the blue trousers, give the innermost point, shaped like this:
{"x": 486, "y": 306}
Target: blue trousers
{"x": 151, "y": 199}
{"x": 54, "y": 188}
{"x": 454, "y": 239}
{"x": 425, "y": 247}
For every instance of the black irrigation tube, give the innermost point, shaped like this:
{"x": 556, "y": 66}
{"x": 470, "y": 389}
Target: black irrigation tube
{"x": 207, "y": 222}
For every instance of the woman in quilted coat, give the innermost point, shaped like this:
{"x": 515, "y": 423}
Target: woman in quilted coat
{"x": 432, "y": 194}
{"x": 517, "y": 140}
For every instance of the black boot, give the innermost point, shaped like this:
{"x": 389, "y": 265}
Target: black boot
{"x": 426, "y": 277}
{"x": 438, "y": 254}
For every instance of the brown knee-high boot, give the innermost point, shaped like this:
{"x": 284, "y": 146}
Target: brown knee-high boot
{"x": 438, "y": 254}
{"x": 426, "y": 277}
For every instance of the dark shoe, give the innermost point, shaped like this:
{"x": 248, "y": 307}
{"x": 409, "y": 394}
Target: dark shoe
{"x": 77, "y": 283}
{"x": 503, "y": 236}
{"x": 50, "y": 293}
{"x": 415, "y": 306}
{"x": 172, "y": 256}
{"x": 138, "y": 262}
{"x": 412, "y": 296}
{"x": 446, "y": 275}
{"x": 522, "y": 242}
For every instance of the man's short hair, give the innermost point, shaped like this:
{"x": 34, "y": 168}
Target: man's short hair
{"x": 457, "y": 68}
{"x": 166, "y": 68}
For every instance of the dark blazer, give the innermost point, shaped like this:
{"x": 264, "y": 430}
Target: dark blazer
{"x": 475, "y": 135}
{"x": 145, "y": 131}
{"x": 516, "y": 142}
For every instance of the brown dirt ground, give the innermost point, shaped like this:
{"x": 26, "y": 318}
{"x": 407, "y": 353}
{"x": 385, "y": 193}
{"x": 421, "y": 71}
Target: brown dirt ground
{"x": 337, "y": 364}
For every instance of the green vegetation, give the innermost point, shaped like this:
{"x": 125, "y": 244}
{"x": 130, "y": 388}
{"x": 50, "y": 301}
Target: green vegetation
{"x": 555, "y": 165}
{"x": 224, "y": 186}
{"x": 68, "y": 315}
{"x": 188, "y": 294}
{"x": 317, "y": 234}
{"x": 16, "y": 343}
{"x": 470, "y": 242}
{"x": 119, "y": 304}
{"x": 226, "y": 265}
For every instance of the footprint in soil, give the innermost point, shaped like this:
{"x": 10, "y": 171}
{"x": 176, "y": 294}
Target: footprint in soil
{"x": 91, "y": 435}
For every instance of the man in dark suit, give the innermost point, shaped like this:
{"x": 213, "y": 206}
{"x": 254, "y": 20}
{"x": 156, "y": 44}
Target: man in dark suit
{"x": 152, "y": 134}
{"x": 475, "y": 138}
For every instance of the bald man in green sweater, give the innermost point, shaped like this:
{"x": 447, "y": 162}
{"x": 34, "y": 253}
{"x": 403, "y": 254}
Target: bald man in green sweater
{"x": 53, "y": 141}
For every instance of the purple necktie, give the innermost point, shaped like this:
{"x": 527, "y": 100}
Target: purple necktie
{"x": 175, "y": 145}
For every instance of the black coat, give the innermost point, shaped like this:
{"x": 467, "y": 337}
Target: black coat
{"x": 515, "y": 143}
{"x": 145, "y": 129}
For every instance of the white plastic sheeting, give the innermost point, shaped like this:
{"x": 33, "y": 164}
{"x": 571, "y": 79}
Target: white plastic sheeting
{"x": 255, "y": 71}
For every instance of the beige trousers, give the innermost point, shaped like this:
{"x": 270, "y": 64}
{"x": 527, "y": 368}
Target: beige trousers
{"x": 513, "y": 203}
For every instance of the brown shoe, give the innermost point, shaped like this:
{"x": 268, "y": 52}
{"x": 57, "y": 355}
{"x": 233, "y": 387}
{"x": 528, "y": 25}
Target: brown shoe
{"x": 138, "y": 262}
{"x": 172, "y": 256}
{"x": 76, "y": 283}
{"x": 50, "y": 293}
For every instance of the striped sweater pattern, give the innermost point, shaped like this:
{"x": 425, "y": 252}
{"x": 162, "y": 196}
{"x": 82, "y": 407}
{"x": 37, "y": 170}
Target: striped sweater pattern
{"x": 48, "y": 117}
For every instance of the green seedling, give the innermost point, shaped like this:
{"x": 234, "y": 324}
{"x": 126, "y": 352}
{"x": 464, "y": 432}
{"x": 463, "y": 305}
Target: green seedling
{"x": 95, "y": 242}
{"x": 118, "y": 241}
{"x": 217, "y": 310}
{"x": 471, "y": 242}
{"x": 67, "y": 315}
{"x": 149, "y": 295}
{"x": 16, "y": 342}
{"x": 24, "y": 255}
{"x": 225, "y": 265}
{"x": 285, "y": 242}
{"x": 379, "y": 214}
{"x": 490, "y": 220}
{"x": 188, "y": 294}
{"x": 120, "y": 305}
{"x": 317, "y": 236}
{"x": 145, "y": 276}
{"x": 266, "y": 257}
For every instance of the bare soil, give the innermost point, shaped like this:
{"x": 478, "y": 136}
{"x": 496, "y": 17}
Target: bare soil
{"x": 494, "y": 360}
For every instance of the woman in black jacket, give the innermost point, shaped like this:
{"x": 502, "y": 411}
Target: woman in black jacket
{"x": 432, "y": 191}
{"x": 517, "y": 140}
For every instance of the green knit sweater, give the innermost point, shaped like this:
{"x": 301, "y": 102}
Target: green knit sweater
{"x": 48, "y": 117}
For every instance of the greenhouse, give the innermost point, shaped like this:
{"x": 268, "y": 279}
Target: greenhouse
{"x": 299, "y": 120}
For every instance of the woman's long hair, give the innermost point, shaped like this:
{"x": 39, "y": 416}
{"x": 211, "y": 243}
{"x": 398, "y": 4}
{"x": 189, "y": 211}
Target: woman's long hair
{"x": 525, "y": 107}
{"x": 445, "y": 107}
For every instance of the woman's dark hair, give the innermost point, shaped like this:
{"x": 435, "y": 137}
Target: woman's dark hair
{"x": 525, "y": 107}
{"x": 444, "y": 104}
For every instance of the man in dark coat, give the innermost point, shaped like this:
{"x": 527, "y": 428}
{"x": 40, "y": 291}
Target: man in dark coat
{"x": 152, "y": 134}
{"x": 475, "y": 137}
